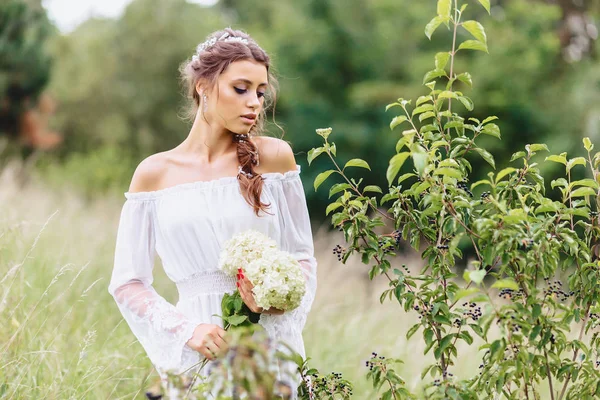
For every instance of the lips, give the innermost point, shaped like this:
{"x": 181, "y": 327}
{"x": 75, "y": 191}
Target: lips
{"x": 249, "y": 118}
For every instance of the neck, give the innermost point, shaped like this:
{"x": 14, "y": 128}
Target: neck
{"x": 206, "y": 142}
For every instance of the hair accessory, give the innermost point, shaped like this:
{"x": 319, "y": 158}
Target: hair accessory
{"x": 241, "y": 171}
{"x": 226, "y": 37}
{"x": 237, "y": 137}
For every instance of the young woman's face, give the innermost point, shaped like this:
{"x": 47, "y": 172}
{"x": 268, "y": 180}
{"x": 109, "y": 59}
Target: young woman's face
{"x": 241, "y": 89}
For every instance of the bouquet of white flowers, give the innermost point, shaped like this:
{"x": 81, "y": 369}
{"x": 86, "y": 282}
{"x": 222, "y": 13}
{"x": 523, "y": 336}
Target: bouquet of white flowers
{"x": 276, "y": 275}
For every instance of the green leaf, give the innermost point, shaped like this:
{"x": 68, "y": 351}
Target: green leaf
{"x": 396, "y": 163}
{"x": 461, "y": 293}
{"x": 373, "y": 188}
{"x": 491, "y": 129}
{"x": 475, "y": 29}
{"x": 423, "y": 99}
{"x": 517, "y": 155}
{"x": 506, "y": 284}
{"x": 441, "y": 60}
{"x": 562, "y": 158}
{"x": 532, "y": 148}
{"x": 357, "y": 162}
{"x": 486, "y": 5}
{"x": 585, "y": 182}
{"x": 433, "y": 25}
{"x": 436, "y": 73}
{"x": 397, "y": 121}
{"x": 473, "y": 45}
{"x": 477, "y": 276}
{"x": 583, "y": 191}
{"x": 332, "y": 207}
{"x": 422, "y": 109}
{"x": 447, "y": 94}
{"x": 451, "y": 172}
{"x": 314, "y": 153}
{"x": 444, "y": 7}
{"x": 576, "y": 161}
{"x": 467, "y": 102}
{"x": 466, "y": 78}
{"x": 536, "y": 311}
{"x": 587, "y": 144}
{"x": 489, "y": 119}
{"x": 338, "y": 187}
{"x": 322, "y": 177}
{"x": 504, "y": 172}
{"x": 420, "y": 159}
{"x": 426, "y": 115}
{"x": 236, "y": 320}
{"x": 413, "y": 330}
{"x": 486, "y": 156}
{"x": 392, "y": 105}
{"x": 404, "y": 177}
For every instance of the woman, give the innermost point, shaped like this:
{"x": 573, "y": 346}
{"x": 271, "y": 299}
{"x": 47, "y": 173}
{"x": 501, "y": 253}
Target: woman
{"x": 184, "y": 203}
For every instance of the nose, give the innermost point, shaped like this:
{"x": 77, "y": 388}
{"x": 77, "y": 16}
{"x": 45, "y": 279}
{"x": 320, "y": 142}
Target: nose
{"x": 253, "y": 102}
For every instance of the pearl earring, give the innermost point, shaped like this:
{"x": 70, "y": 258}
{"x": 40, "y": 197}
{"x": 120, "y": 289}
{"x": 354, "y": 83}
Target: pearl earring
{"x": 205, "y": 100}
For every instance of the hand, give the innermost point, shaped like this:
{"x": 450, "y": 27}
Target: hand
{"x": 209, "y": 340}
{"x": 245, "y": 287}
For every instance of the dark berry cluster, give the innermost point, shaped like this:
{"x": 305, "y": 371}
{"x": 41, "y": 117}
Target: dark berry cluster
{"x": 474, "y": 311}
{"x": 485, "y": 195}
{"x": 397, "y": 236}
{"x": 463, "y": 185}
{"x": 457, "y": 322}
{"x": 332, "y": 383}
{"x": 443, "y": 246}
{"x": 386, "y": 246}
{"x": 445, "y": 375}
{"x": 593, "y": 214}
{"x": 424, "y": 310}
{"x": 339, "y": 251}
{"x": 554, "y": 289}
{"x": 371, "y": 364}
{"x": 510, "y": 294}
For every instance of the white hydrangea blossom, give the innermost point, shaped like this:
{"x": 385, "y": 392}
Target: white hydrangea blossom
{"x": 243, "y": 248}
{"x": 276, "y": 275}
{"x": 278, "y": 280}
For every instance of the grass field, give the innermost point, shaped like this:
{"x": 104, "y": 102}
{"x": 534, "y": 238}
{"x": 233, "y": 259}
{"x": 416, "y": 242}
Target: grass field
{"x": 62, "y": 336}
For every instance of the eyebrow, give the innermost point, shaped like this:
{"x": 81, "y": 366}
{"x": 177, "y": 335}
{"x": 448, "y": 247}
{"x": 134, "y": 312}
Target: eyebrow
{"x": 248, "y": 82}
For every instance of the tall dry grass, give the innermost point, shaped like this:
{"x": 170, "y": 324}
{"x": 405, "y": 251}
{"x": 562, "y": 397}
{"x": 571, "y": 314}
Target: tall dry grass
{"x": 62, "y": 336}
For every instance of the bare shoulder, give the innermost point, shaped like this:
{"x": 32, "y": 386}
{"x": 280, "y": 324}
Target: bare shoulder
{"x": 275, "y": 154}
{"x": 148, "y": 174}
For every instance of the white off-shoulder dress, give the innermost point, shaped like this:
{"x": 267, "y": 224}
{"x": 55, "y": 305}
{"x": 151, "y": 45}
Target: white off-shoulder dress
{"x": 186, "y": 225}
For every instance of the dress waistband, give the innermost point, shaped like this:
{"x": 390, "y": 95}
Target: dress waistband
{"x": 206, "y": 282}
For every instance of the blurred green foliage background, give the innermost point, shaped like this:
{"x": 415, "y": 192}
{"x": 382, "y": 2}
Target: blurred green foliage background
{"x": 339, "y": 62}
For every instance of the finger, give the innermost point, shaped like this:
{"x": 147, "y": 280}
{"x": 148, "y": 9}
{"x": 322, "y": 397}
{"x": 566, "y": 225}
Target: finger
{"x": 206, "y": 353}
{"x": 221, "y": 345}
{"x": 247, "y": 282}
{"x": 213, "y": 350}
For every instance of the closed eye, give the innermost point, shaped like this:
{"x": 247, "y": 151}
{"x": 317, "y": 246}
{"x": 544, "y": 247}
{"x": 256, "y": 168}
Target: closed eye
{"x": 242, "y": 91}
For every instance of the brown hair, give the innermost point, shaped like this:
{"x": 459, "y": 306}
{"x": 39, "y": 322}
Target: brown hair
{"x": 207, "y": 66}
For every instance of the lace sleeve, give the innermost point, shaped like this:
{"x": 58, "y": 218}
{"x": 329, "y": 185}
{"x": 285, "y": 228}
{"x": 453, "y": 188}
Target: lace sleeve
{"x": 297, "y": 240}
{"x": 160, "y": 328}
